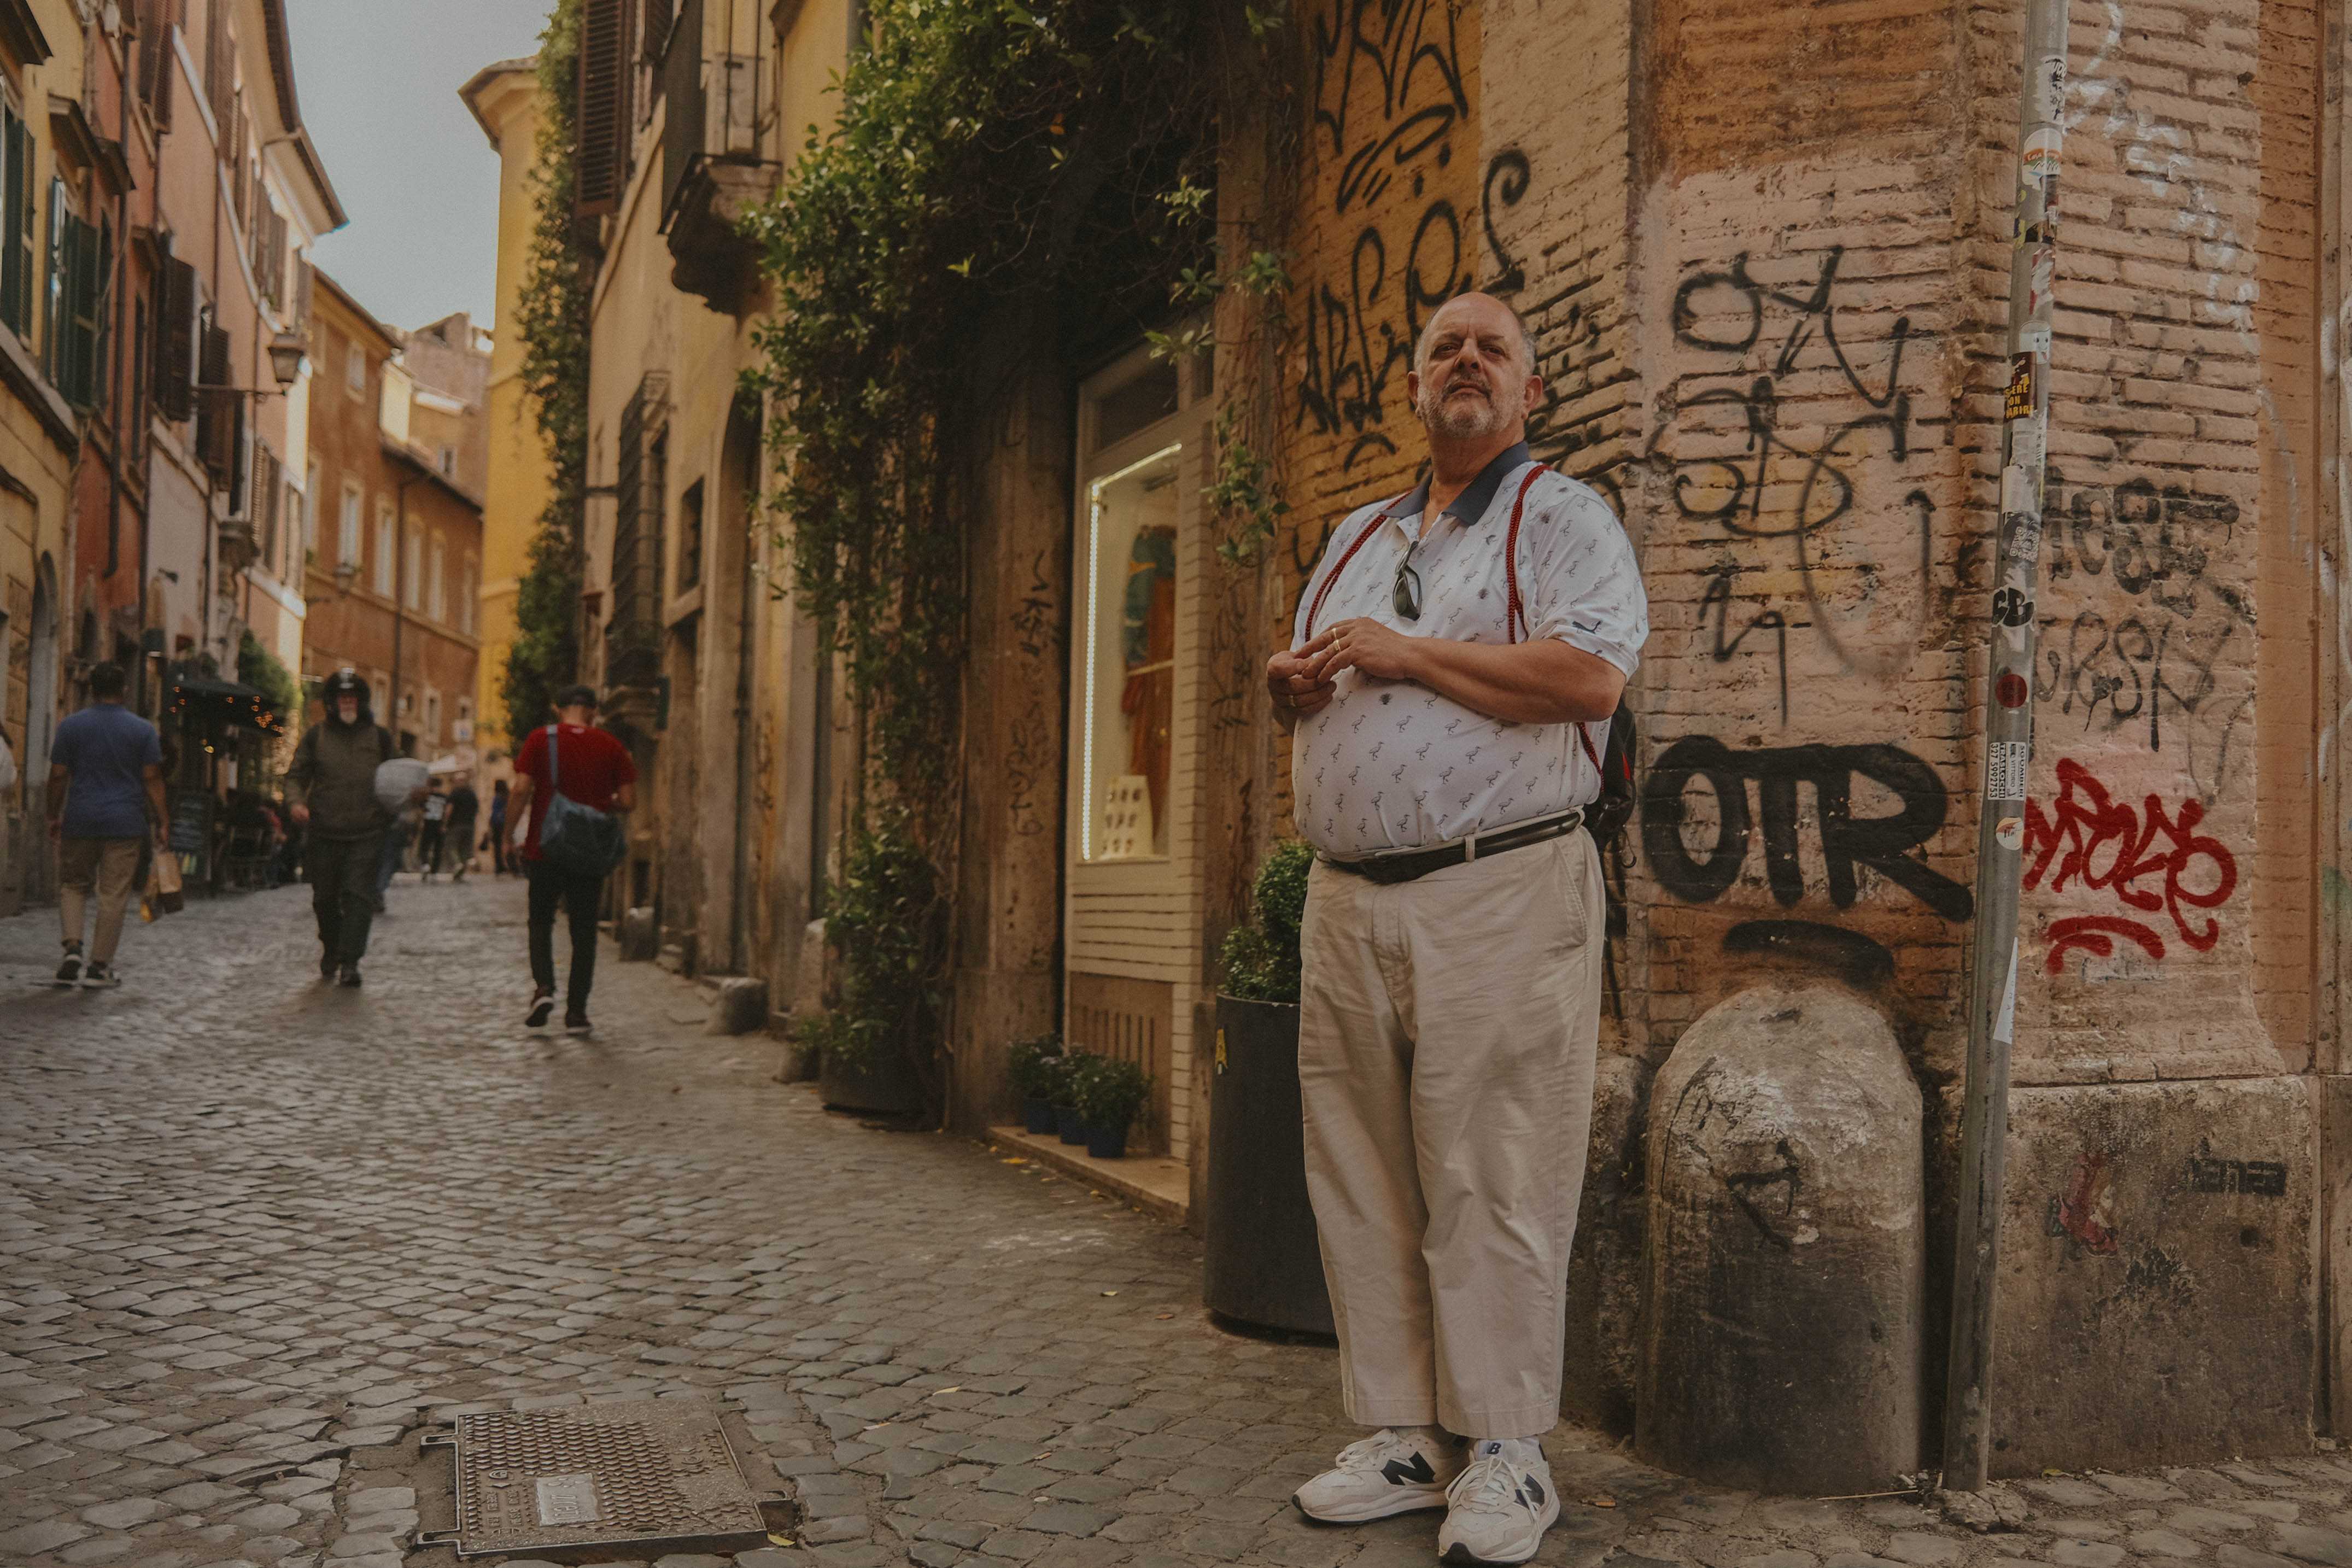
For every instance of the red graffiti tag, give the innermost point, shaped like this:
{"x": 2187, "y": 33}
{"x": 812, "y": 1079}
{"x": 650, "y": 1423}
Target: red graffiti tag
{"x": 2087, "y": 1211}
{"x": 2145, "y": 857}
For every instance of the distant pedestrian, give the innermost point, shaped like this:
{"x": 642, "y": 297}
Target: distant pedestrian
{"x": 105, "y": 799}
{"x": 332, "y": 787}
{"x": 433, "y": 829}
{"x": 498, "y": 856}
{"x": 289, "y": 851}
{"x": 397, "y": 840}
{"x": 589, "y": 766}
{"x": 465, "y": 809}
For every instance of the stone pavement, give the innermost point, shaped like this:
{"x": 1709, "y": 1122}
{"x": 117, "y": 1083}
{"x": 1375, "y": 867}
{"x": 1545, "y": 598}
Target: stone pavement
{"x": 257, "y": 1232}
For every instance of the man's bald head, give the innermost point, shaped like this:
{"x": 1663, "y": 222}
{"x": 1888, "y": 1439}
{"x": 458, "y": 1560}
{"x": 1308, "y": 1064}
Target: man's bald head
{"x": 1474, "y": 304}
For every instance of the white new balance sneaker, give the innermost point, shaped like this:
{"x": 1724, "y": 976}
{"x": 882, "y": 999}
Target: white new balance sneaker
{"x": 1389, "y": 1472}
{"x": 1500, "y": 1507}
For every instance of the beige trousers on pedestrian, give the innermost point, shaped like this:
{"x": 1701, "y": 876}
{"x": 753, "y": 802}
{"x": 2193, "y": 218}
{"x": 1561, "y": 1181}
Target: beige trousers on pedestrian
{"x": 108, "y": 864}
{"x": 1447, "y": 1033}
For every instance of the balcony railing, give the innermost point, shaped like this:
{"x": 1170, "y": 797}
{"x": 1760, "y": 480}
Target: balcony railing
{"x": 715, "y": 82}
{"x": 715, "y": 99}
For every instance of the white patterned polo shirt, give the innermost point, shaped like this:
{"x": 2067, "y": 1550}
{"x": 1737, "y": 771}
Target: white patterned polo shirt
{"x": 1390, "y": 764}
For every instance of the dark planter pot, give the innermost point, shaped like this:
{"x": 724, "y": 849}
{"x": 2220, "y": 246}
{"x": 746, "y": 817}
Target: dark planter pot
{"x": 1107, "y": 1142}
{"x": 1037, "y": 1116}
{"x": 1263, "y": 1262}
{"x": 1069, "y": 1124}
{"x": 884, "y": 1083}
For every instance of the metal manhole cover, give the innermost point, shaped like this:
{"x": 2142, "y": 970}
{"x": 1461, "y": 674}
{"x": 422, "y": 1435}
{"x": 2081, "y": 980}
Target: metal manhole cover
{"x": 597, "y": 1475}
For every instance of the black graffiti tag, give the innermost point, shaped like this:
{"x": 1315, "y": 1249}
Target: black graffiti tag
{"x": 1882, "y": 843}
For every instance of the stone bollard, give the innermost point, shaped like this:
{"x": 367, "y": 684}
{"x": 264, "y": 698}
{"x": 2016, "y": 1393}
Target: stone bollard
{"x": 1604, "y": 1271}
{"x": 1785, "y": 1249}
{"x": 640, "y": 938}
{"x": 739, "y": 1005}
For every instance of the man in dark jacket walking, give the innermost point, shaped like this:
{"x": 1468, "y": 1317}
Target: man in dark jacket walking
{"x": 332, "y": 787}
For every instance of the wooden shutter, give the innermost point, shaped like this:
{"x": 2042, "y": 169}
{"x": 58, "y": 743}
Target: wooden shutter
{"x": 155, "y": 57}
{"x": 602, "y": 156}
{"x": 175, "y": 341}
{"x": 75, "y": 332}
{"x": 16, "y": 227}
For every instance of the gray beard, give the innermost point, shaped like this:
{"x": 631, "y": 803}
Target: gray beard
{"x": 1468, "y": 423}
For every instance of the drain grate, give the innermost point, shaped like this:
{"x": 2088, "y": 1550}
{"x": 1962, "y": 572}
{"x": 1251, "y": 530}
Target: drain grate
{"x": 597, "y": 1475}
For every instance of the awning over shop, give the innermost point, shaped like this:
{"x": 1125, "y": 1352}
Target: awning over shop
{"x": 233, "y": 702}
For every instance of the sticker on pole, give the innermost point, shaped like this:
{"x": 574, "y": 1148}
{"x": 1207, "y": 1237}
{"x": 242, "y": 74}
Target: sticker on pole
{"x": 2004, "y": 1024}
{"x": 2017, "y": 402}
{"x": 2009, "y": 833}
{"x": 2042, "y": 148}
{"x": 2005, "y": 764}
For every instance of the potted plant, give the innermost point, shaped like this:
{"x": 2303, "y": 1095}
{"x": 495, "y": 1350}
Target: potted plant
{"x": 1263, "y": 1261}
{"x": 1112, "y": 1095}
{"x": 1038, "y": 1068}
{"x": 1069, "y": 1122}
{"x": 885, "y": 930}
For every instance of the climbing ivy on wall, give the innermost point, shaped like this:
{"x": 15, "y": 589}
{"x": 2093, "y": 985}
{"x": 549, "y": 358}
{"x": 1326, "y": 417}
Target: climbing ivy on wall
{"x": 551, "y": 318}
{"x": 1004, "y": 180}
{"x": 990, "y": 161}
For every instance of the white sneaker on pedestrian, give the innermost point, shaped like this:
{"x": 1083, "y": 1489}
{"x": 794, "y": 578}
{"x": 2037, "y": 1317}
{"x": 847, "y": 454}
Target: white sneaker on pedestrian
{"x": 1389, "y": 1472}
{"x": 1500, "y": 1507}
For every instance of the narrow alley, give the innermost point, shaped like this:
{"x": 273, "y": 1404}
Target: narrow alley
{"x": 260, "y": 1233}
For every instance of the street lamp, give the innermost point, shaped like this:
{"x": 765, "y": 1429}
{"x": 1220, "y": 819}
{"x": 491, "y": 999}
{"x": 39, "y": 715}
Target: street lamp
{"x": 286, "y": 357}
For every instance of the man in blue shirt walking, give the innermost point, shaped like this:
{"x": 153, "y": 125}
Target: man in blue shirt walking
{"x": 106, "y": 795}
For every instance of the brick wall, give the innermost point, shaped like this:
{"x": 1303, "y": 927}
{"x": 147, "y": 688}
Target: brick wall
{"x": 1764, "y": 252}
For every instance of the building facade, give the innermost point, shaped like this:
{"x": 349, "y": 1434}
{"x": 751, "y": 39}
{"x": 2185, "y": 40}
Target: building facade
{"x": 52, "y": 165}
{"x": 503, "y": 98}
{"x": 396, "y": 559}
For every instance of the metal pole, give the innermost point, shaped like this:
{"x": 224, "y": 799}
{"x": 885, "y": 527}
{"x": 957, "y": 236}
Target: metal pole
{"x": 2008, "y": 742}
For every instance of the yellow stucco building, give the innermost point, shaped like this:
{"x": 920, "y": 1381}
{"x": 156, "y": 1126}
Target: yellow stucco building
{"x": 504, "y": 98}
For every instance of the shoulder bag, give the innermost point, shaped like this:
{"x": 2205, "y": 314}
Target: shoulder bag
{"x": 574, "y": 839}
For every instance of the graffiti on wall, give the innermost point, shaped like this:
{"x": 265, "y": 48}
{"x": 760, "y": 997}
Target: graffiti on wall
{"x": 1796, "y": 438}
{"x": 1389, "y": 94}
{"x": 1032, "y": 741}
{"x": 2150, "y": 860}
{"x": 2152, "y": 665}
{"x": 1848, "y": 843}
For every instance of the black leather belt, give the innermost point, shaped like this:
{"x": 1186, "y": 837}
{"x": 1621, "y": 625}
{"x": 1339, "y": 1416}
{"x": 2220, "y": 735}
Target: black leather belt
{"x": 1412, "y": 863}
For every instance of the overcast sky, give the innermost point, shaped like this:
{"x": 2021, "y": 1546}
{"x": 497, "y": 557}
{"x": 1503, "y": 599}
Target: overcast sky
{"x": 378, "y": 82}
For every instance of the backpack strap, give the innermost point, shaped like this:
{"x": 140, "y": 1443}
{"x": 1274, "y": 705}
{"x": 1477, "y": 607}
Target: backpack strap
{"x": 1361, "y": 539}
{"x": 554, "y": 775}
{"x": 1514, "y": 614}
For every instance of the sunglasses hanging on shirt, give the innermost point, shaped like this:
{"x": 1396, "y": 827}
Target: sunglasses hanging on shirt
{"x": 1405, "y": 596}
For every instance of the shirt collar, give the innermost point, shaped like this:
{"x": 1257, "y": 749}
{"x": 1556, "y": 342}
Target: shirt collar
{"x": 1475, "y": 498}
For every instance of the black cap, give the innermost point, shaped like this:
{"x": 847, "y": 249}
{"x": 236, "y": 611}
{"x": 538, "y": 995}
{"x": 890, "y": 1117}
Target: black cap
{"x": 576, "y": 697}
{"x": 344, "y": 682}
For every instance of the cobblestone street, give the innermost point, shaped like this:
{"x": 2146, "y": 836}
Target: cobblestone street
{"x": 259, "y": 1232}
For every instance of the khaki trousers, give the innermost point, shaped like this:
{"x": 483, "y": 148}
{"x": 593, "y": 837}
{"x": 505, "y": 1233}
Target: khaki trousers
{"x": 1446, "y": 1035}
{"x": 112, "y": 865}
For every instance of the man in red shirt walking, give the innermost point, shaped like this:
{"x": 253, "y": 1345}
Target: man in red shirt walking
{"x": 589, "y": 766}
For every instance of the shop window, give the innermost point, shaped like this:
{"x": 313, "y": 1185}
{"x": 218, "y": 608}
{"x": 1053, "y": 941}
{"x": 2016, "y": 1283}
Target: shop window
{"x": 1128, "y": 648}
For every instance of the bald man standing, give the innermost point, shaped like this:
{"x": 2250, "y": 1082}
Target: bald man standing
{"x": 1457, "y": 655}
